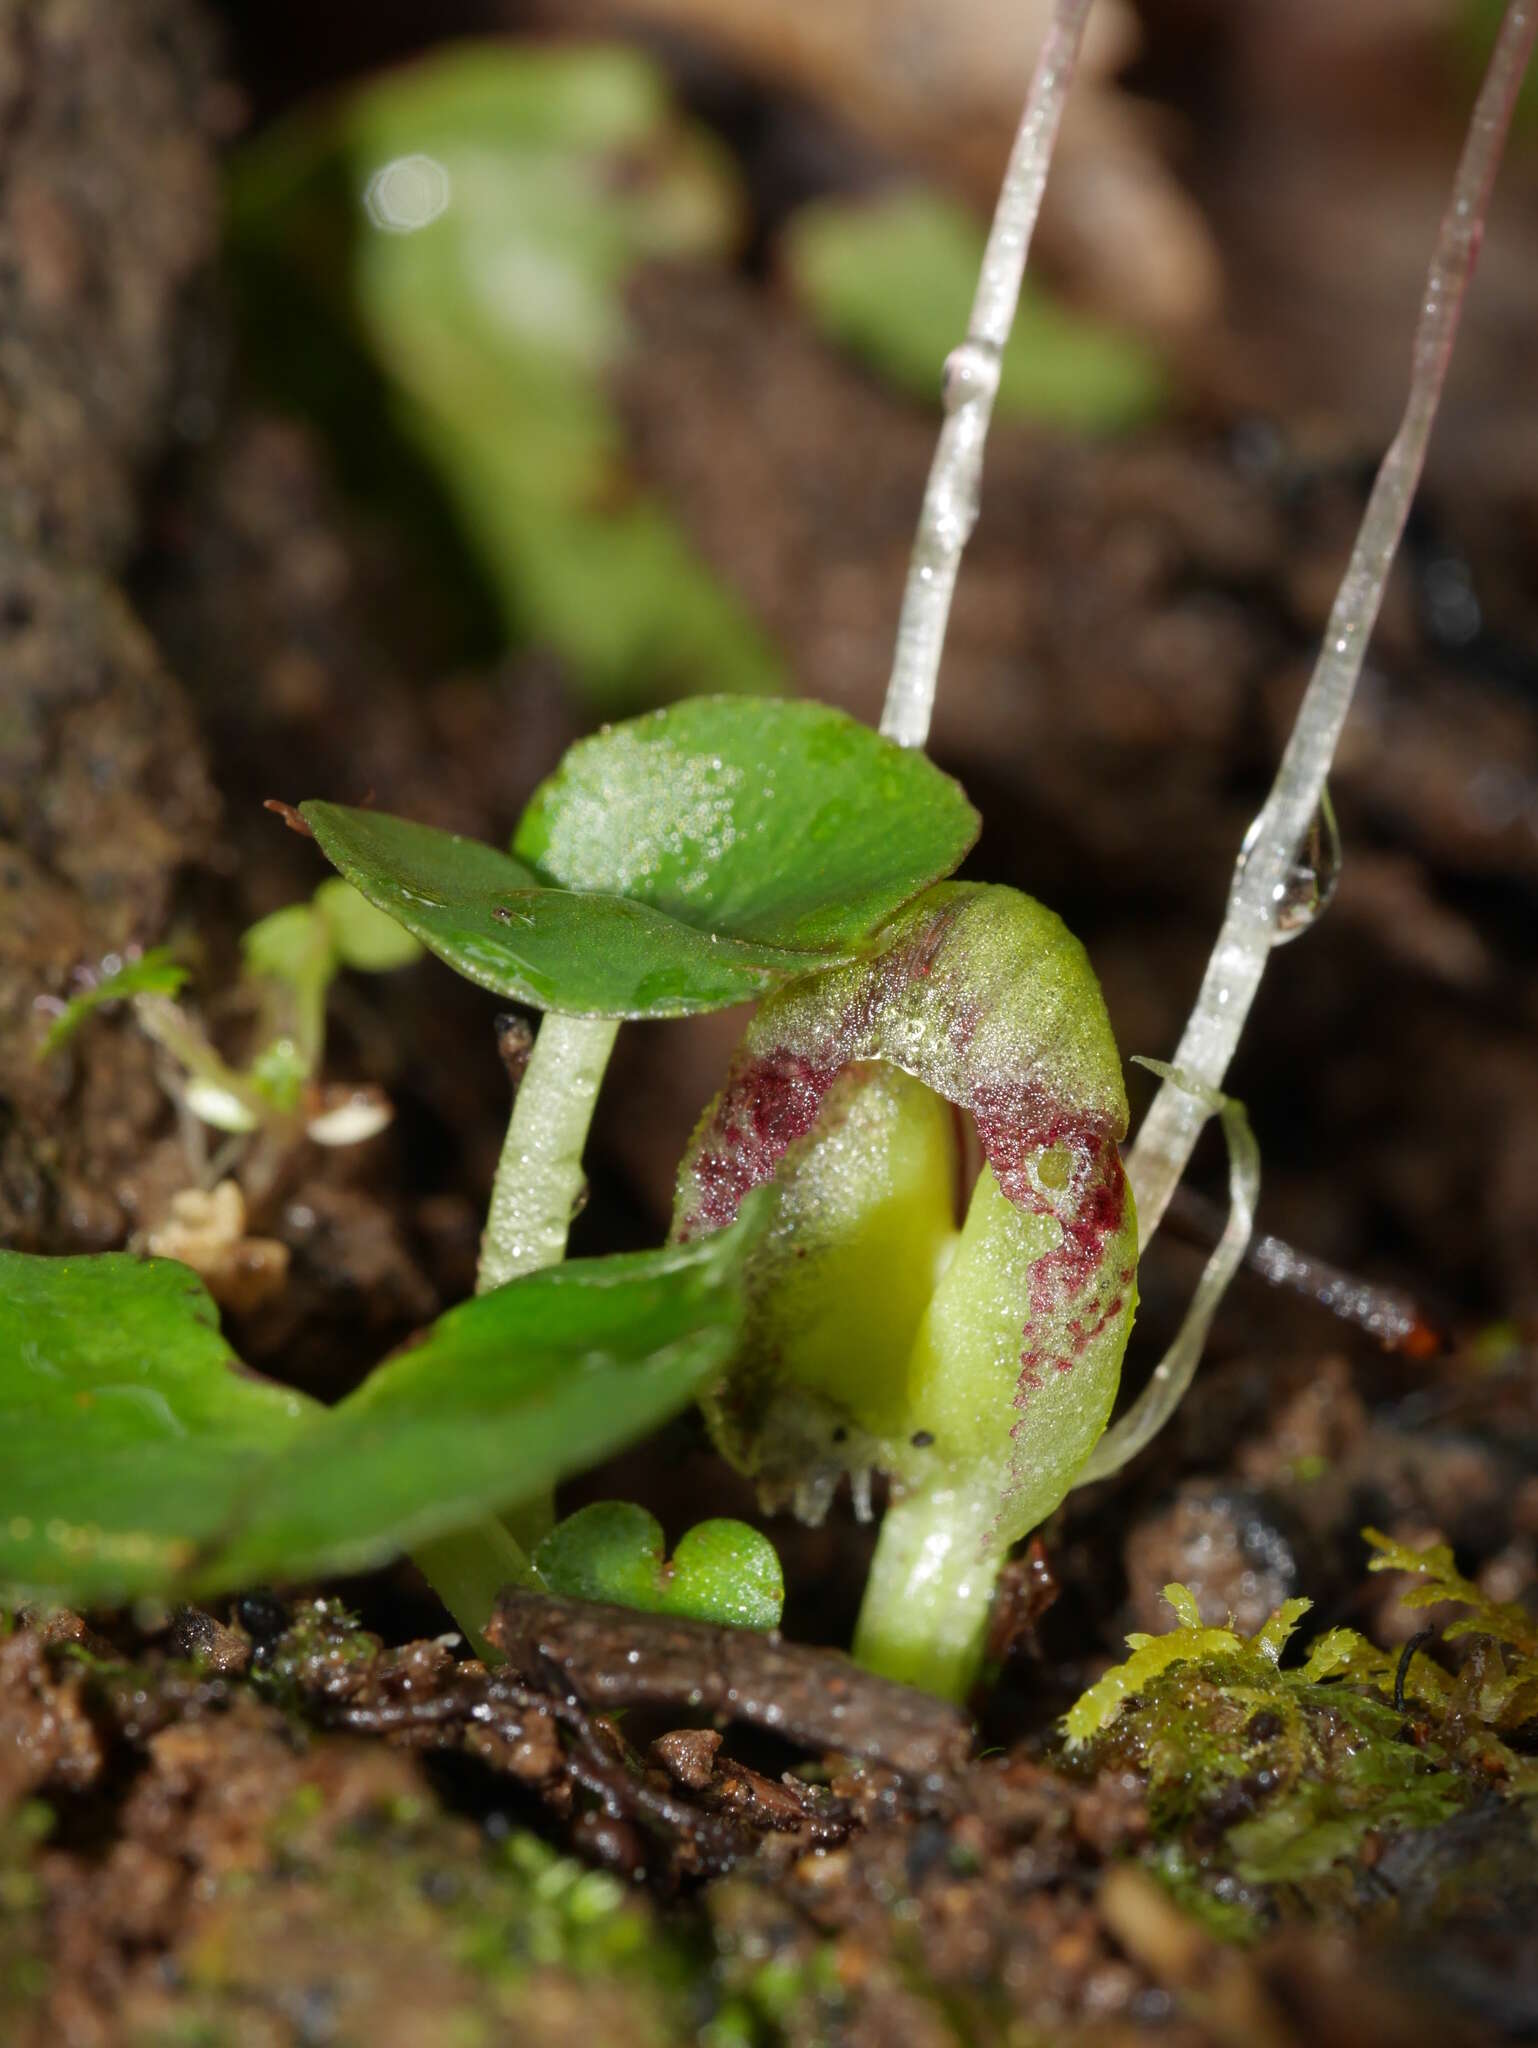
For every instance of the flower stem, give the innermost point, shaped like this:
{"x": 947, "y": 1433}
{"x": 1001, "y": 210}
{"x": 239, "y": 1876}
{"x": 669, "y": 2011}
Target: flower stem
{"x": 924, "y": 1618}
{"x": 537, "y": 1188}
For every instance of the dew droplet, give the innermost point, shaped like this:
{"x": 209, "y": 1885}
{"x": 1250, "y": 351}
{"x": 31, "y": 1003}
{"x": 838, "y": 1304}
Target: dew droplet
{"x": 971, "y": 371}
{"x": 1311, "y": 880}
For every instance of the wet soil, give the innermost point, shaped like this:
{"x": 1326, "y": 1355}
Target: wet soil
{"x": 270, "y": 1826}
{"x": 215, "y": 1860}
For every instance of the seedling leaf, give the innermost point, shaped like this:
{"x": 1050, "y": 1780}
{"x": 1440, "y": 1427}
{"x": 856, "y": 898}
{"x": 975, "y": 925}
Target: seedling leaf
{"x": 785, "y": 823}
{"x": 436, "y": 267}
{"x": 155, "y": 973}
{"x": 485, "y": 915}
{"x": 365, "y": 938}
{"x": 722, "y": 1571}
{"x": 137, "y": 1457}
{"x": 508, "y": 1394}
{"x": 892, "y": 279}
{"x": 125, "y": 1424}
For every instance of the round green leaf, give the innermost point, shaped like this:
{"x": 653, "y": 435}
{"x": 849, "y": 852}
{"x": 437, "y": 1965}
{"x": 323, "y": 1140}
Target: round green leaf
{"x": 137, "y": 1456}
{"x": 585, "y": 955}
{"x": 782, "y": 822}
{"x": 684, "y": 861}
{"x": 891, "y": 279}
{"x": 365, "y": 938}
{"x": 722, "y": 1571}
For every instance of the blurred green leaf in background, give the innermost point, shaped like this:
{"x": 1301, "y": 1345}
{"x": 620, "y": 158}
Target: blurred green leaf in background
{"x": 891, "y": 276}
{"x": 440, "y": 258}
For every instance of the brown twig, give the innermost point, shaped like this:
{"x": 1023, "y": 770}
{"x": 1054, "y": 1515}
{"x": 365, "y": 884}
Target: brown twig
{"x": 613, "y": 1657}
{"x": 705, "y": 1827}
{"x": 289, "y": 814}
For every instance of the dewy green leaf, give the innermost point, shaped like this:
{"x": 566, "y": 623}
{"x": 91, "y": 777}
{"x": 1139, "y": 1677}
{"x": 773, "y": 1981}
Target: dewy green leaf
{"x": 155, "y": 973}
{"x": 684, "y": 861}
{"x": 892, "y": 278}
{"x": 782, "y": 822}
{"x": 585, "y": 955}
{"x": 137, "y": 1457}
{"x": 721, "y": 1571}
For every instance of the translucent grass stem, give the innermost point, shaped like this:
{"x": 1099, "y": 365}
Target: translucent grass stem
{"x": 970, "y": 386}
{"x": 1260, "y": 885}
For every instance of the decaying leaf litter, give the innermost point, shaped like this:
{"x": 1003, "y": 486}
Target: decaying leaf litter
{"x": 1067, "y": 1956}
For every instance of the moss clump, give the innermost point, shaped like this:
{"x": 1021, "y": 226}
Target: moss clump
{"x": 1271, "y": 1786}
{"x": 317, "y": 1650}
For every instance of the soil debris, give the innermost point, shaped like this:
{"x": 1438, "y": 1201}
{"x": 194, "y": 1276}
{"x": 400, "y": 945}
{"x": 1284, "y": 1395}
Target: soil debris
{"x": 105, "y": 804}
{"x": 101, "y": 248}
{"x": 206, "y": 1868}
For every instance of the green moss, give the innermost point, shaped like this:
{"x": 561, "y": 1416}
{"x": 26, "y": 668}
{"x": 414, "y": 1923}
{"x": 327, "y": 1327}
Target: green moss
{"x": 476, "y": 1933}
{"x": 775, "y": 1985}
{"x": 322, "y": 1643}
{"x": 1265, "y": 1784}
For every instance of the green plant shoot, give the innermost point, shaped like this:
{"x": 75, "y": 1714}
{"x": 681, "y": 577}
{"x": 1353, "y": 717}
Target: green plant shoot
{"x": 138, "y": 1456}
{"x": 721, "y": 1571}
{"x": 289, "y": 961}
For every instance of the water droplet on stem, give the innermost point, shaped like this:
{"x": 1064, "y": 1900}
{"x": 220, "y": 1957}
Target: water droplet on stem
{"x": 1312, "y": 878}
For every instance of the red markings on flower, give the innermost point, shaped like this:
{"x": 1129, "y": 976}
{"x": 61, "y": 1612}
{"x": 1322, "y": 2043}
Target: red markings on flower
{"x": 766, "y": 1105}
{"x": 1049, "y": 1154}
{"x": 1021, "y": 1128}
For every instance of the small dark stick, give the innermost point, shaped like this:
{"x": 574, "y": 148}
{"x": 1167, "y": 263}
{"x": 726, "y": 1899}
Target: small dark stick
{"x": 1401, "y": 1675}
{"x": 289, "y": 815}
{"x": 610, "y": 1657}
{"x": 1383, "y": 1312}
{"x": 515, "y": 1041}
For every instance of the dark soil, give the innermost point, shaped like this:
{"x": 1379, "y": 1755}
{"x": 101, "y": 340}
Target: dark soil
{"x": 217, "y": 1862}
{"x": 272, "y": 1826}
